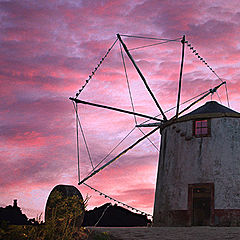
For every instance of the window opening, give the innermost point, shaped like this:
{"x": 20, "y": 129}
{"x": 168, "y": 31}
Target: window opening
{"x": 201, "y": 128}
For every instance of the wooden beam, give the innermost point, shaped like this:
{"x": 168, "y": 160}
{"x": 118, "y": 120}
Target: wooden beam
{"x": 142, "y": 77}
{"x": 201, "y": 98}
{"x": 119, "y": 155}
{"x": 180, "y": 77}
{"x": 114, "y": 109}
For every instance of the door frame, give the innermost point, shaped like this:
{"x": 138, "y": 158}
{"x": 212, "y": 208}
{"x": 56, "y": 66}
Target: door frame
{"x": 209, "y": 186}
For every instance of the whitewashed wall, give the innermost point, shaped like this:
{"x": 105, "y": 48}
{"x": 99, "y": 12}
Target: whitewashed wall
{"x": 185, "y": 159}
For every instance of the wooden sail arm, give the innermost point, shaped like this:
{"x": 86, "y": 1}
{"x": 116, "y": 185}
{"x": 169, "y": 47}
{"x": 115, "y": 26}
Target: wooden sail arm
{"x": 180, "y": 77}
{"x": 114, "y": 109}
{"x": 142, "y": 77}
{"x": 119, "y": 155}
{"x": 201, "y": 98}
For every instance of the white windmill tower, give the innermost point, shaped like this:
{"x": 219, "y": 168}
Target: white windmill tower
{"x": 198, "y": 181}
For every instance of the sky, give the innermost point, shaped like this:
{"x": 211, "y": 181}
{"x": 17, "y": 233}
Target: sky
{"x": 48, "y": 49}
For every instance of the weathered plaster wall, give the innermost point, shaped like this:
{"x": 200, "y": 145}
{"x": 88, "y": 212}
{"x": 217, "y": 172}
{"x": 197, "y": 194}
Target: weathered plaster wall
{"x": 185, "y": 159}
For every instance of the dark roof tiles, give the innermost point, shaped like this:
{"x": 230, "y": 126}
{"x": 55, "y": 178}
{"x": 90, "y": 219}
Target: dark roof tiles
{"x": 211, "y": 107}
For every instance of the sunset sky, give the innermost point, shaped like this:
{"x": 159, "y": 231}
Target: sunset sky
{"x": 48, "y": 49}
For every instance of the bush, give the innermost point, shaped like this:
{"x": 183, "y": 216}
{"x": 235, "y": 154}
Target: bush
{"x": 62, "y": 224}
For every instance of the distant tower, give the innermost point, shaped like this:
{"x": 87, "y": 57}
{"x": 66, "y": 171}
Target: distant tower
{"x": 15, "y": 203}
{"x": 198, "y": 181}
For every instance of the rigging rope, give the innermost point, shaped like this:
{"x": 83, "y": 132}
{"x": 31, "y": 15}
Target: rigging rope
{"x": 205, "y": 95}
{"x": 119, "y": 155}
{"x": 78, "y": 123}
{"x": 131, "y": 98}
{"x": 218, "y": 97}
{"x": 151, "y": 38}
{"x": 205, "y": 62}
{"x": 95, "y": 69}
{"x": 142, "y": 77}
{"x": 227, "y": 95}
{"x": 84, "y": 138}
{"x": 106, "y": 196}
{"x": 129, "y": 89}
{"x": 102, "y": 215}
{"x": 117, "y": 201}
{"x": 202, "y": 59}
{"x": 150, "y": 45}
{"x": 170, "y": 109}
{"x": 149, "y": 139}
{"x": 130, "y": 131}
{"x": 111, "y": 151}
{"x": 78, "y": 151}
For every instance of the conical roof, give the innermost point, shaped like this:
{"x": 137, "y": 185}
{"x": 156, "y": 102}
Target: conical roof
{"x": 210, "y": 109}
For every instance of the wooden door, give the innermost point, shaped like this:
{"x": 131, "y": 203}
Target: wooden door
{"x": 201, "y": 205}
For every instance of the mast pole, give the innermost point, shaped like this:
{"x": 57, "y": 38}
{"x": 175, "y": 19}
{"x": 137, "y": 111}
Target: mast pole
{"x": 142, "y": 77}
{"x": 180, "y": 77}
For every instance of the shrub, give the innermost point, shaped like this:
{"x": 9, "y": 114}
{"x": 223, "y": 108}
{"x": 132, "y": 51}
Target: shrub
{"x": 62, "y": 224}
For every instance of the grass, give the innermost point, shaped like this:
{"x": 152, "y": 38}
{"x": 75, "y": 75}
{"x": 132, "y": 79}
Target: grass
{"x": 42, "y": 232}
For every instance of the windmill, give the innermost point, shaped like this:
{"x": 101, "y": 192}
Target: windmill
{"x": 159, "y": 124}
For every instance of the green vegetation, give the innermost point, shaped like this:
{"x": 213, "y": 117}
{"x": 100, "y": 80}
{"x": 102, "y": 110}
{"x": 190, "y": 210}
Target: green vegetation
{"x": 66, "y": 211}
{"x": 62, "y": 224}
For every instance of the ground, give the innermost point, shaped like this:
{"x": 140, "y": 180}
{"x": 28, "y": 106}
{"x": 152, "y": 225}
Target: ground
{"x": 173, "y": 233}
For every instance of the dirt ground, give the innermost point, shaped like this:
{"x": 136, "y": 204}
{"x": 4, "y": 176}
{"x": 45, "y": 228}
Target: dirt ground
{"x": 172, "y": 233}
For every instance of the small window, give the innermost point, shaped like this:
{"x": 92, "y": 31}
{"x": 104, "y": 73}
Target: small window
{"x": 202, "y": 128}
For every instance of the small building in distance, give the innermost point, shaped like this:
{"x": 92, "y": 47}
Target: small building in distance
{"x": 198, "y": 181}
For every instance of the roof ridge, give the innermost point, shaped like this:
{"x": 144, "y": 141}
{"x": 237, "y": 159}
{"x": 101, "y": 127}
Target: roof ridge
{"x": 211, "y": 107}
